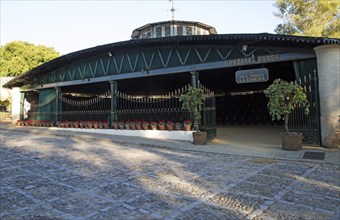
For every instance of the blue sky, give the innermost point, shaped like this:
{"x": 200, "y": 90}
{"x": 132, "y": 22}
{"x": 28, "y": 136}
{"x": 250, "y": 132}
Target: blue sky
{"x": 70, "y": 26}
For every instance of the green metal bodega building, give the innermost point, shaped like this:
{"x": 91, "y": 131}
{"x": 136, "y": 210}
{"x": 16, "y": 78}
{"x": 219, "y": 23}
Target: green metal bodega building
{"x": 142, "y": 79}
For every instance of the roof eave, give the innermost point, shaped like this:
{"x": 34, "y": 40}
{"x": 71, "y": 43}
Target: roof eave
{"x": 264, "y": 37}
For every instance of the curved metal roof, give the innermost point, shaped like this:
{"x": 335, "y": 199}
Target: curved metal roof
{"x": 262, "y": 39}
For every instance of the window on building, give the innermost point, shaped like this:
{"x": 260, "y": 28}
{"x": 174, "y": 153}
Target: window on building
{"x": 189, "y": 30}
{"x": 167, "y": 31}
{"x": 179, "y": 30}
{"x": 159, "y": 31}
{"x": 148, "y": 34}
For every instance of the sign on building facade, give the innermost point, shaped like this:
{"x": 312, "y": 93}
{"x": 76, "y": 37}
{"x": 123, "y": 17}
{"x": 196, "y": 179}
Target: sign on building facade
{"x": 252, "y": 76}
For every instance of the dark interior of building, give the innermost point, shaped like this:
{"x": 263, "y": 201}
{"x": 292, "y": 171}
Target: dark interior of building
{"x": 236, "y": 104}
{"x": 244, "y": 104}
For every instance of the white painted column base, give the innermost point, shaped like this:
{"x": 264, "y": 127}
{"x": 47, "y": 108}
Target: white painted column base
{"x": 328, "y": 60}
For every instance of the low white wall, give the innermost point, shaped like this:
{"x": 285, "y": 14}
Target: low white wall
{"x": 154, "y": 134}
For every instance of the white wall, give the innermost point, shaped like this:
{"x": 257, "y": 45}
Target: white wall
{"x": 4, "y": 92}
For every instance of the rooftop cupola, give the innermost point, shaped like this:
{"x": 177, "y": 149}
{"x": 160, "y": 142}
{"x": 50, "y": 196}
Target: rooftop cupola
{"x": 172, "y": 28}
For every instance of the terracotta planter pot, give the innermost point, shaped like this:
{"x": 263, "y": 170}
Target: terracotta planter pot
{"x": 187, "y": 127}
{"x": 200, "y": 138}
{"x": 133, "y": 127}
{"x": 291, "y": 141}
{"x": 161, "y": 127}
{"x": 178, "y": 128}
{"x": 138, "y": 127}
{"x": 153, "y": 127}
{"x": 170, "y": 127}
{"x": 115, "y": 126}
{"x": 121, "y": 126}
{"x": 145, "y": 127}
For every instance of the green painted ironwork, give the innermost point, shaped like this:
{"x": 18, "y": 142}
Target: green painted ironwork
{"x": 58, "y": 104}
{"x": 140, "y": 62}
{"x": 22, "y": 106}
{"x": 152, "y": 108}
{"x": 114, "y": 91}
{"x": 46, "y": 106}
{"x": 77, "y": 107}
{"x": 208, "y": 121}
{"x": 309, "y": 125}
{"x": 113, "y": 105}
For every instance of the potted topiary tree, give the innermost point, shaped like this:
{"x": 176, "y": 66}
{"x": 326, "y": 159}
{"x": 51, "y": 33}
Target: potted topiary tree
{"x": 192, "y": 101}
{"x": 284, "y": 97}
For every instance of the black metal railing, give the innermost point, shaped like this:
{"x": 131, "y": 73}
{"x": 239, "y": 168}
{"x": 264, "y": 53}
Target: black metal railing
{"x": 153, "y": 108}
{"x": 308, "y": 124}
{"x": 163, "y": 107}
{"x": 96, "y": 108}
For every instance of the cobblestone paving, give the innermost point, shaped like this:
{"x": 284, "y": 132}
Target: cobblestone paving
{"x": 54, "y": 177}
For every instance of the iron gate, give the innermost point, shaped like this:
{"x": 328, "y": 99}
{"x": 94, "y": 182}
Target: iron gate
{"x": 208, "y": 121}
{"x": 308, "y": 124}
{"x": 165, "y": 107}
{"x": 55, "y": 106}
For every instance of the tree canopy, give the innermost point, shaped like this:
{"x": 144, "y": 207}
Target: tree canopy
{"x": 317, "y": 18}
{"x": 18, "y": 57}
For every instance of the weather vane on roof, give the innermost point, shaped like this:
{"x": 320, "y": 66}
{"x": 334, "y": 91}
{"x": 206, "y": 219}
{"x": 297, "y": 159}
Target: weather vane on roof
{"x": 172, "y": 9}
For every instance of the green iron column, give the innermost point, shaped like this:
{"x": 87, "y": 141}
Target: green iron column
{"x": 22, "y": 106}
{"x": 195, "y": 84}
{"x": 57, "y": 93}
{"x": 114, "y": 90}
{"x": 194, "y": 79}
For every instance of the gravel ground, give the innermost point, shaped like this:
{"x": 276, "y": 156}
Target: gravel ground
{"x": 44, "y": 176}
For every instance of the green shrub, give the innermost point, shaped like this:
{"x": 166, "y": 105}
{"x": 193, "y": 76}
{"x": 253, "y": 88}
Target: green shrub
{"x": 283, "y": 98}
